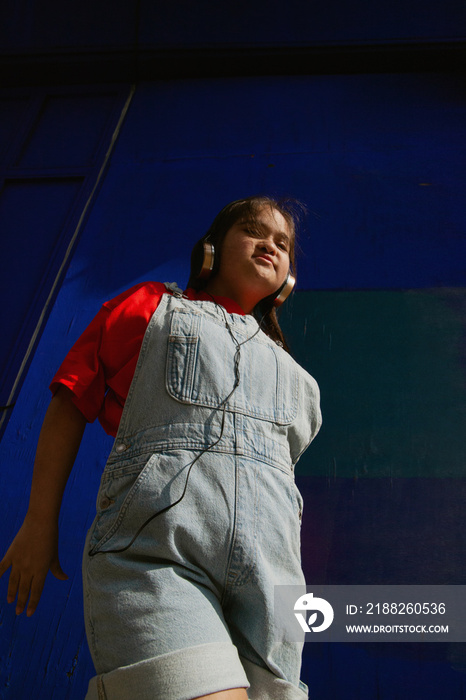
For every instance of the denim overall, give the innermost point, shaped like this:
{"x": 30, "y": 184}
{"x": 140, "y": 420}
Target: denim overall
{"x": 179, "y": 600}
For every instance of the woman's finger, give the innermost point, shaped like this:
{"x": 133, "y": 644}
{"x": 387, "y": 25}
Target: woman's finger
{"x": 23, "y": 593}
{"x": 57, "y": 571}
{"x": 12, "y": 586}
{"x": 37, "y": 586}
{"x": 4, "y": 565}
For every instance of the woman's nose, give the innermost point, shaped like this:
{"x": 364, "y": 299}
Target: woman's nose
{"x": 269, "y": 245}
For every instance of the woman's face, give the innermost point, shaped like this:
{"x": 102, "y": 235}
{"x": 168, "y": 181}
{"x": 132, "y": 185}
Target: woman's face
{"x": 255, "y": 258}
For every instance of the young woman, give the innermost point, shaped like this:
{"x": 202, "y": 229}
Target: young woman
{"x": 198, "y": 516}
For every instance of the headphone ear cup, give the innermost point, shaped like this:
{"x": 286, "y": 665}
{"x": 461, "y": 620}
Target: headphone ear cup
{"x": 208, "y": 261}
{"x": 285, "y": 290}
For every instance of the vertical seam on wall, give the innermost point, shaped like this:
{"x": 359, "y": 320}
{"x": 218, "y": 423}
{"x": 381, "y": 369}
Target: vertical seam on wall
{"x": 68, "y": 252}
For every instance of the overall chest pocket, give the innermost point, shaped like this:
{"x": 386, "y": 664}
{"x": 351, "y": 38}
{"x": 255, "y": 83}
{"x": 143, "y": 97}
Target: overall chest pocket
{"x": 201, "y": 369}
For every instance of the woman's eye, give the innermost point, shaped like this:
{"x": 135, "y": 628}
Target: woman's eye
{"x": 257, "y": 233}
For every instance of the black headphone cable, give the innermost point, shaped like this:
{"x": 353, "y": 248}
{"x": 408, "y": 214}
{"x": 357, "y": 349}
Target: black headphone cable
{"x": 222, "y": 406}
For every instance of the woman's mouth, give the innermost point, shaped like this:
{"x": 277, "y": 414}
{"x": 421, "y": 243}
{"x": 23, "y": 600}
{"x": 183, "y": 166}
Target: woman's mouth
{"x": 266, "y": 258}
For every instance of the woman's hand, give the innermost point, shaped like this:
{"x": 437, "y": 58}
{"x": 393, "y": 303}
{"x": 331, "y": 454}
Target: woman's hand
{"x": 35, "y": 548}
{"x": 31, "y": 554}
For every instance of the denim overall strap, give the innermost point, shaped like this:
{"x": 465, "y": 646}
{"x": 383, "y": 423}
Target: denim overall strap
{"x": 187, "y": 348}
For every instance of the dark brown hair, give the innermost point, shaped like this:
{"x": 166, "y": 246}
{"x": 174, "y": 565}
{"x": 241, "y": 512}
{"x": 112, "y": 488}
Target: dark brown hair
{"x": 290, "y": 209}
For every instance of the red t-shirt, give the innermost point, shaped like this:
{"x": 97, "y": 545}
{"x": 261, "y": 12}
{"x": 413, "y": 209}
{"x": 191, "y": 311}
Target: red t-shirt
{"x": 100, "y": 366}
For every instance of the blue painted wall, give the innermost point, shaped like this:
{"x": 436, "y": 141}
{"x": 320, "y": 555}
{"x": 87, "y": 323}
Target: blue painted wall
{"x": 378, "y": 318}
{"x": 54, "y": 143}
{"x": 126, "y": 23}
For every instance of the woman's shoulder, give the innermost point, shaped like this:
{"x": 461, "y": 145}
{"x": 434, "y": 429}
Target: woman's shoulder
{"x": 137, "y": 295}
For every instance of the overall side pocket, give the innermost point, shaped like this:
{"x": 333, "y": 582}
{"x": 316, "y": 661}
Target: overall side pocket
{"x": 116, "y": 494}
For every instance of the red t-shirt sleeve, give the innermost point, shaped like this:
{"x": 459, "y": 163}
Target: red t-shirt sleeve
{"x": 100, "y": 366}
{"x": 81, "y": 370}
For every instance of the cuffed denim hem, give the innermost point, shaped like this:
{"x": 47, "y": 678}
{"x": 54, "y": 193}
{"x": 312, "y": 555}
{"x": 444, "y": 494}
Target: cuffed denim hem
{"x": 180, "y": 675}
{"x": 265, "y": 686}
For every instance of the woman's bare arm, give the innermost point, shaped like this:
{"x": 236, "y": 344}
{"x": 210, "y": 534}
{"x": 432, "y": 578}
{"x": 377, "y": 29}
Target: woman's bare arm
{"x": 34, "y": 550}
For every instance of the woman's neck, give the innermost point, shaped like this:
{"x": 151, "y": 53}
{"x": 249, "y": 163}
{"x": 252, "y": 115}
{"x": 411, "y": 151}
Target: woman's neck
{"x": 245, "y": 300}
